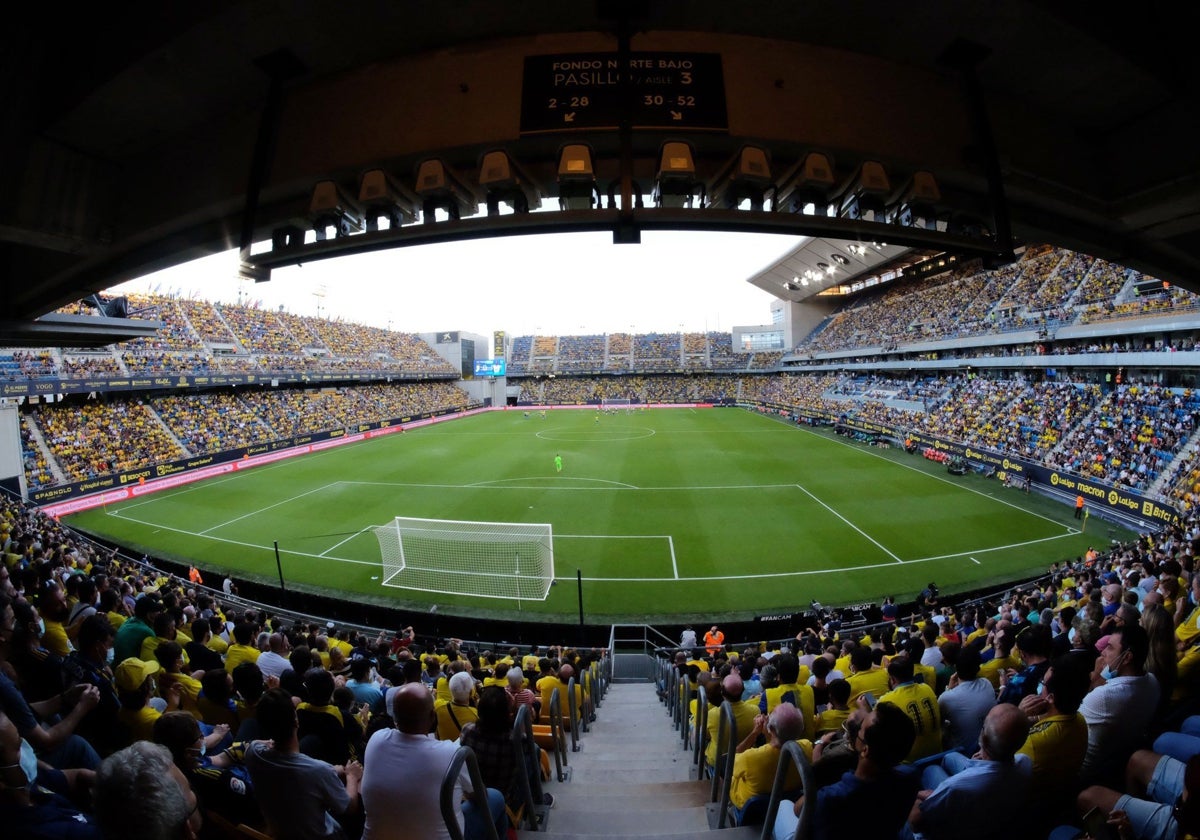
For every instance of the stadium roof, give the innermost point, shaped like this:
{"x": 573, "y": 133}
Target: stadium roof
{"x": 131, "y": 129}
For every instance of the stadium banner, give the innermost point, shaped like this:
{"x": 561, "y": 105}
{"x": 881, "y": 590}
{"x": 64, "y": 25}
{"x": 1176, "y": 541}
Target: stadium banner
{"x": 38, "y": 387}
{"x": 185, "y": 470}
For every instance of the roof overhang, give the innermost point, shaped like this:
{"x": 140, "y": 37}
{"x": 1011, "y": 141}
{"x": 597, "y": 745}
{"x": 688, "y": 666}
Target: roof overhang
{"x": 820, "y": 264}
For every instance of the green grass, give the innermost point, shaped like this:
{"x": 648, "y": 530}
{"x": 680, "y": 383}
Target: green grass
{"x": 672, "y": 512}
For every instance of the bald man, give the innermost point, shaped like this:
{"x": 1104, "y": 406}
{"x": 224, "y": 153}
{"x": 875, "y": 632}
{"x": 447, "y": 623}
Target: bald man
{"x": 754, "y": 767}
{"x": 962, "y": 795}
{"x": 274, "y": 661}
{"x": 744, "y": 713}
{"x": 565, "y": 673}
{"x": 410, "y": 759}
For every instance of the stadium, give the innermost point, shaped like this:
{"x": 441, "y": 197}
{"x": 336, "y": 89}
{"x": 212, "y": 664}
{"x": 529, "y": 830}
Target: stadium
{"x": 974, "y": 377}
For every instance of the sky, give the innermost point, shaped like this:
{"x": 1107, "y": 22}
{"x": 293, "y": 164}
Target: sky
{"x": 552, "y": 284}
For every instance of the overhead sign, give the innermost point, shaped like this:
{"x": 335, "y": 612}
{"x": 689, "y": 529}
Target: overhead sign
{"x": 581, "y": 91}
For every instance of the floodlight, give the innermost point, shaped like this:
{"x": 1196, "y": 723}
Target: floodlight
{"x": 577, "y": 188}
{"x": 382, "y": 196}
{"x": 676, "y": 184}
{"x": 440, "y": 187}
{"x": 809, "y": 182}
{"x": 866, "y": 192}
{"x": 331, "y": 206}
{"x": 915, "y": 205}
{"x": 745, "y": 176}
{"x": 504, "y": 180}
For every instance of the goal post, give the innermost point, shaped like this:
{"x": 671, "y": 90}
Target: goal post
{"x": 616, "y": 402}
{"x": 510, "y": 560}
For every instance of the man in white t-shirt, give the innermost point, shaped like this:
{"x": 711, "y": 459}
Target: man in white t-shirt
{"x": 274, "y": 661}
{"x": 409, "y": 759}
{"x": 1119, "y": 711}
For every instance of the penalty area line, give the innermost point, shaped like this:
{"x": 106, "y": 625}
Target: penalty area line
{"x": 243, "y": 544}
{"x": 863, "y": 533}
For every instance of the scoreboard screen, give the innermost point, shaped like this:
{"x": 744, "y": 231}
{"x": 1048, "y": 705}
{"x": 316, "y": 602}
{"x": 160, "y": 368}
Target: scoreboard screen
{"x": 489, "y": 367}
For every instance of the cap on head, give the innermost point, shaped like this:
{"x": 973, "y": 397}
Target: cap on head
{"x": 133, "y": 672}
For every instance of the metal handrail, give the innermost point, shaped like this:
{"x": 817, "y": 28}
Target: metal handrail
{"x": 722, "y": 770}
{"x": 524, "y": 749}
{"x": 451, "y": 809}
{"x": 557, "y": 734}
{"x": 791, "y": 752}
{"x": 701, "y": 730}
{"x": 573, "y": 713}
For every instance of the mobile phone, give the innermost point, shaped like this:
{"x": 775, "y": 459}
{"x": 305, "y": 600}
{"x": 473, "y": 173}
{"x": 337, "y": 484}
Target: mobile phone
{"x": 1095, "y": 823}
{"x": 870, "y": 698}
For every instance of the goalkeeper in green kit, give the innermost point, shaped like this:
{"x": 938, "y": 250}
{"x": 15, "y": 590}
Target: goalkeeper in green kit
{"x": 558, "y": 463}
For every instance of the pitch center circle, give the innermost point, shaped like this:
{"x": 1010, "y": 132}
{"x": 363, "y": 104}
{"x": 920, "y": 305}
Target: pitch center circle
{"x": 595, "y": 435}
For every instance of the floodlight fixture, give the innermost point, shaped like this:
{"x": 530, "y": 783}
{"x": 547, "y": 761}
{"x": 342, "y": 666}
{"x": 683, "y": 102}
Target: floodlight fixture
{"x": 384, "y": 197}
{"x": 332, "y": 207}
{"x": 503, "y": 180}
{"x": 866, "y": 193}
{"x": 808, "y": 184}
{"x": 577, "y": 188}
{"x": 915, "y": 205}
{"x": 745, "y": 176}
{"x": 676, "y": 184}
{"x": 441, "y": 188}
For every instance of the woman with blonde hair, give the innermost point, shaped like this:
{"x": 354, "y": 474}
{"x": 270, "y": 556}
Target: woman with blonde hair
{"x": 1161, "y": 662}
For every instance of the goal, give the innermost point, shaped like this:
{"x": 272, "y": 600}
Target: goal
{"x": 615, "y": 402}
{"x": 460, "y": 557}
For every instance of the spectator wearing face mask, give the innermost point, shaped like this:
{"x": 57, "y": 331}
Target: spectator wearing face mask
{"x": 1119, "y": 710}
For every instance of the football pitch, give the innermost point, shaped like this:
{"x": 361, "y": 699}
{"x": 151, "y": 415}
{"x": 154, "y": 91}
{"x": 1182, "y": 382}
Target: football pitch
{"x": 665, "y": 513}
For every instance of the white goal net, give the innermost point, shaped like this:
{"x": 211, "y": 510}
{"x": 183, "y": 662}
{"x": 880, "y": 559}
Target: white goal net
{"x": 615, "y": 402}
{"x": 460, "y": 557}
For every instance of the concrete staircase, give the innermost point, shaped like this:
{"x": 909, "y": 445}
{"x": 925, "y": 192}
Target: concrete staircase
{"x": 632, "y": 779}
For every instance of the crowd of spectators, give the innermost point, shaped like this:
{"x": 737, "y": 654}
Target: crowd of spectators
{"x": 100, "y": 438}
{"x": 581, "y": 352}
{"x": 639, "y": 389}
{"x": 641, "y": 352}
{"x": 201, "y": 338}
{"x": 1045, "y": 290}
{"x": 133, "y": 704}
{"x": 27, "y": 364}
{"x": 96, "y": 438}
{"x": 1127, "y": 437}
{"x": 657, "y": 351}
{"x": 1132, "y": 435}
{"x": 1073, "y": 693}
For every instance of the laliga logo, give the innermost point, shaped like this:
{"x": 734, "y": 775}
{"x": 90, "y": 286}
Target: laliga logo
{"x": 1113, "y": 498}
{"x": 1006, "y": 464}
{"x": 1054, "y": 478}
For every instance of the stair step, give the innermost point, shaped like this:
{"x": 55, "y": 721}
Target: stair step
{"x": 620, "y": 822}
{"x": 741, "y": 833}
{"x": 633, "y": 779}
